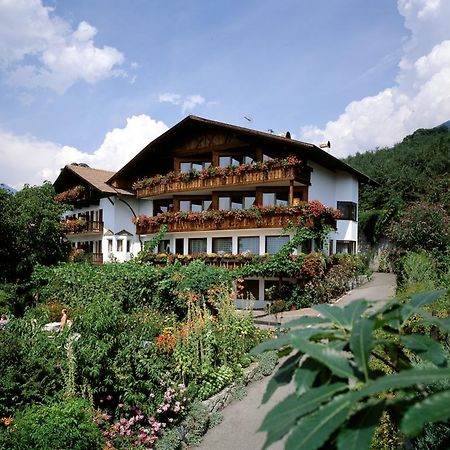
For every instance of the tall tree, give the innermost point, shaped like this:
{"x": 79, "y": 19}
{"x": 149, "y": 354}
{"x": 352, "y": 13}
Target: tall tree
{"x": 31, "y": 231}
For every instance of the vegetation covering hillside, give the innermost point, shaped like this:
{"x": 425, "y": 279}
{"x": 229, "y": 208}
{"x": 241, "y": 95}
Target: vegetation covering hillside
{"x": 412, "y": 171}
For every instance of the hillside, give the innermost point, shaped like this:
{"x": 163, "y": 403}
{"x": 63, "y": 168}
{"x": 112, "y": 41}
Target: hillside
{"x": 408, "y": 171}
{"x": 416, "y": 169}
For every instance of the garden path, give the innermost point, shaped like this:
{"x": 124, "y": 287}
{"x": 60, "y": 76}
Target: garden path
{"x": 241, "y": 419}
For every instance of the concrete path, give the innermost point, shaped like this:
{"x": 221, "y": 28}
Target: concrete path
{"x": 241, "y": 419}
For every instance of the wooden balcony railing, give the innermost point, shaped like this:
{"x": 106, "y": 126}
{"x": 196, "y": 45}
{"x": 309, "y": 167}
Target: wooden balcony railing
{"x": 230, "y": 223}
{"x": 96, "y": 258}
{"x": 221, "y": 181}
{"x": 81, "y": 226}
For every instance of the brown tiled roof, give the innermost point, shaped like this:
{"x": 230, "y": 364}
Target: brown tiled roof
{"x": 97, "y": 178}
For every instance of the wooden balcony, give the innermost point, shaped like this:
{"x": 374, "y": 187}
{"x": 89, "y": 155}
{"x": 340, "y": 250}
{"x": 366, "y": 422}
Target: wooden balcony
{"x": 215, "y": 182}
{"x": 275, "y": 220}
{"x": 81, "y": 226}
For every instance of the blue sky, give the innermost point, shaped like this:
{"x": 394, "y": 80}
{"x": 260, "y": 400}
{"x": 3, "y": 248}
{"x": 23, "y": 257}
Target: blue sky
{"x": 95, "y": 80}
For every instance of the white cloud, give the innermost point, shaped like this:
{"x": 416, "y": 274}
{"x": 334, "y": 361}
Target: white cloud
{"x": 26, "y": 159}
{"x": 188, "y": 103}
{"x": 169, "y": 97}
{"x": 192, "y": 101}
{"x": 39, "y": 49}
{"x": 420, "y": 97}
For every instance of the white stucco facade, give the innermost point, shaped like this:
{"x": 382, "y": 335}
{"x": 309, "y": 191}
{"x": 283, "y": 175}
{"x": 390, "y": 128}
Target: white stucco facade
{"x": 330, "y": 187}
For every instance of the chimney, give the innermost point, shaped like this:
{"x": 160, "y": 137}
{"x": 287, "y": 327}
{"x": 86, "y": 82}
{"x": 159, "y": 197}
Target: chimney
{"x": 325, "y": 144}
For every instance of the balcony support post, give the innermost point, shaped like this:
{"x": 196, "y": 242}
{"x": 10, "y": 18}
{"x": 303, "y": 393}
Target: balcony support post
{"x": 291, "y": 193}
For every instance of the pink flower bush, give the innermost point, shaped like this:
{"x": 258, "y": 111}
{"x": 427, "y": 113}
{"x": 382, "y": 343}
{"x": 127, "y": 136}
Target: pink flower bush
{"x": 134, "y": 427}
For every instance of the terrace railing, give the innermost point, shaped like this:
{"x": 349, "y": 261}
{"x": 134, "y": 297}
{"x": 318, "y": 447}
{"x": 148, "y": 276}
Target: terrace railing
{"x": 218, "y": 181}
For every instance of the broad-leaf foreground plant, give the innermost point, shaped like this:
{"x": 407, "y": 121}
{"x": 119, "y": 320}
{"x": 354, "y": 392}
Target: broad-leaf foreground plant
{"x": 340, "y": 392}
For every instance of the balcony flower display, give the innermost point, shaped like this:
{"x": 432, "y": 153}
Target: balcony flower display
{"x": 74, "y": 225}
{"x": 71, "y": 195}
{"x": 312, "y": 213}
{"x": 216, "y": 171}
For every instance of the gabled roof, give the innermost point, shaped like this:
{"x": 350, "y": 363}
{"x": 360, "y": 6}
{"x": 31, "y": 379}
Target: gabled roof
{"x": 95, "y": 177}
{"x": 194, "y": 123}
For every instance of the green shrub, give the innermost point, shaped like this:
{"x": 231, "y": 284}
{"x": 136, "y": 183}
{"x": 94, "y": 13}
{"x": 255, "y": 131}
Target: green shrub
{"x": 418, "y": 269}
{"x": 64, "y": 425}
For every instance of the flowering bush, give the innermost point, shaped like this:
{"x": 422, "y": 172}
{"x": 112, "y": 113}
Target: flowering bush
{"x": 422, "y": 226}
{"x": 216, "y": 171}
{"x": 133, "y": 427}
{"x": 71, "y": 195}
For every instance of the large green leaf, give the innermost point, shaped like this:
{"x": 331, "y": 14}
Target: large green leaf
{"x": 354, "y": 310}
{"x": 333, "y": 313}
{"x": 404, "y": 379}
{"x": 313, "y": 430}
{"x": 418, "y": 301}
{"x": 306, "y": 321}
{"x": 306, "y": 374}
{"x": 425, "y": 347}
{"x": 424, "y": 298}
{"x": 283, "y": 416}
{"x": 435, "y": 408}
{"x": 358, "y": 434}
{"x": 361, "y": 344}
{"x": 282, "y": 376}
{"x": 335, "y": 360}
{"x": 273, "y": 344}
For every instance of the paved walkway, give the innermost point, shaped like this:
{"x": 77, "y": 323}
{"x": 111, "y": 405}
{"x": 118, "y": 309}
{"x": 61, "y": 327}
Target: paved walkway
{"x": 241, "y": 420}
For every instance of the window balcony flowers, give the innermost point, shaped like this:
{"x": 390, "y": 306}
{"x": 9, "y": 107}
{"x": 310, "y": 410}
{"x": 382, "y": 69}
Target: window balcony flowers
{"x": 311, "y": 214}
{"x": 71, "y": 195}
{"x": 216, "y": 171}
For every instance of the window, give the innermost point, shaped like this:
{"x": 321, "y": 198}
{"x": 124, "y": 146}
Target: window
{"x": 237, "y": 160}
{"x": 348, "y": 210}
{"x": 110, "y": 245}
{"x": 197, "y": 245}
{"x": 128, "y": 246}
{"x": 187, "y": 166}
{"x": 195, "y": 205}
{"x": 164, "y": 246}
{"x": 237, "y": 202}
{"x": 248, "y": 245}
{"x": 179, "y": 246}
{"x": 249, "y": 290}
{"x": 222, "y": 245}
{"x": 275, "y": 198}
{"x": 271, "y": 290}
{"x": 274, "y": 243}
{"x": 162, "y": 206}
{"x": 120, "y": 245}
{"x": 346, "y": 247}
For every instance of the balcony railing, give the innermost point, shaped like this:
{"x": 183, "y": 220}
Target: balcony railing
{"x": 214, "y": 182}
{"x": 310, "y": 215}
{"x": 96, "y": 258}
{"x": 82, "y": 226}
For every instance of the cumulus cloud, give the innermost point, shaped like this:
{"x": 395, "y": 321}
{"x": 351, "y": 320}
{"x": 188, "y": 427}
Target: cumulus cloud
{"x": 39, "y": 49}
{"x": 419, "y": 99}
{"x": 26, "y": 159}
{"x": 187, "y": 103}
